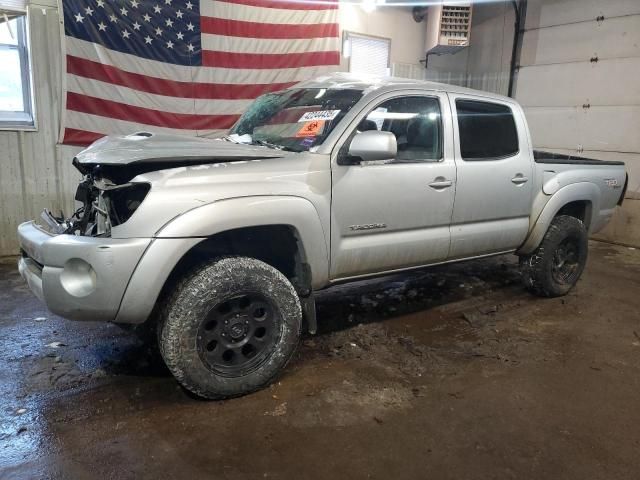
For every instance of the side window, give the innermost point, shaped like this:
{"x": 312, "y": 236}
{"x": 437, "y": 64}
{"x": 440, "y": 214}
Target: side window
{"x": 487, "y": 130}
{"x": 16, "y": 110}
{"x": 416, "y": 123}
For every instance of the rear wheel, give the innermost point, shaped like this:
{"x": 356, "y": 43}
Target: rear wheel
{"x": 556, "y": 265}
{"x": 230, "y": 327}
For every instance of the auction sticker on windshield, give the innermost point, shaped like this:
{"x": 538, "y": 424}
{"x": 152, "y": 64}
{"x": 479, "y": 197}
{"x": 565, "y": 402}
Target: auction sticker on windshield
{"x": 319, "y": 115}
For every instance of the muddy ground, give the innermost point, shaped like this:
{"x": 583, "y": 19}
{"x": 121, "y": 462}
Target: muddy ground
{"x": 449, "y": 373}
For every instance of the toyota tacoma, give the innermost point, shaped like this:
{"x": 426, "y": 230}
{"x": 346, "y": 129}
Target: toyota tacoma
{"x": 222, "y": 242}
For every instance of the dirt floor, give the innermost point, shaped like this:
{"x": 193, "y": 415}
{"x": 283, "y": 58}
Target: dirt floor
{"x": 449, "y": 373}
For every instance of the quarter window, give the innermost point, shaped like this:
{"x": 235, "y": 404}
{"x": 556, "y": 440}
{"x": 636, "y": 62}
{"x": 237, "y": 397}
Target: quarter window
{"x": 416, "y": 124}
{"x": 487, "y": 130}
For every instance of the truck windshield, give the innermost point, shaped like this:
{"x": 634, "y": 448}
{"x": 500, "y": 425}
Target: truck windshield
{"x": 295, "y": 119}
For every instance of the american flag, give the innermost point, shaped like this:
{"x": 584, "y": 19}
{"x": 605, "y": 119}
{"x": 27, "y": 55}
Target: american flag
{"x": 188, "y": 67}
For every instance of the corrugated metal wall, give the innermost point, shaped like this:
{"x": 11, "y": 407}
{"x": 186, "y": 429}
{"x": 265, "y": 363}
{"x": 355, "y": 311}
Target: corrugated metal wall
{"x": 418, "y": 72}
{"x": 34, "y": 172}
{"x": 489, "y": 56}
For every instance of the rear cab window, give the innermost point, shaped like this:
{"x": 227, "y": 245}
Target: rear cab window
{"x": 487, "y": 130}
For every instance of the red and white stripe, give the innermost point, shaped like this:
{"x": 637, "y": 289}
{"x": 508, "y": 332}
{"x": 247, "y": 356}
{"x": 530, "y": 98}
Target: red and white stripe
{"x": 250, "y": 47}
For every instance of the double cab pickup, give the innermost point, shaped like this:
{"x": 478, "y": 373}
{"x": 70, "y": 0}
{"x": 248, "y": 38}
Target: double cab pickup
{"x": 222, "y": 242}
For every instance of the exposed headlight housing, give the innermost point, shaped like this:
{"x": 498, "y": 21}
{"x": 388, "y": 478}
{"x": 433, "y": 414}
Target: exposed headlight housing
{"x": 122, "y": 201}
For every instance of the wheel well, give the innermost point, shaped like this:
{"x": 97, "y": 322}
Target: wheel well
{"x": 580, "y": 209}
{"x": 276, "y": 245}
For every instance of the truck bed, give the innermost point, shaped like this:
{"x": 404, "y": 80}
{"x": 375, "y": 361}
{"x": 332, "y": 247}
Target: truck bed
{"x": 540, "y": 156}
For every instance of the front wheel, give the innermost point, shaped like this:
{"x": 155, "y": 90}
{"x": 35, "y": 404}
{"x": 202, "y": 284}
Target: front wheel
{"x": 230, "y": 327}
{"x": 556, "y": 265}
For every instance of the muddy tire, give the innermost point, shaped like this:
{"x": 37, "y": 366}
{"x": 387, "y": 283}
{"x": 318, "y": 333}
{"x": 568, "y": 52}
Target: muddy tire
{"x": 556, "y": 265}
{"x": 230, "y": 327}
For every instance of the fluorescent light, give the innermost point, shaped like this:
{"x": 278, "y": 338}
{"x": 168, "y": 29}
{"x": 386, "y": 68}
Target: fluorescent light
{"x": 369, "y": 5}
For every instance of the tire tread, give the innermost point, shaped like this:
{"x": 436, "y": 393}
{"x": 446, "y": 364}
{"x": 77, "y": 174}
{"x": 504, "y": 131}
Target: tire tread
{"x": 175, "y": 318}
{"x": 534, "y": 267}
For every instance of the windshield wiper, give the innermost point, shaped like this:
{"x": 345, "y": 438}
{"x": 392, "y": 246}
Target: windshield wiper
{"x": 275, "y": 146}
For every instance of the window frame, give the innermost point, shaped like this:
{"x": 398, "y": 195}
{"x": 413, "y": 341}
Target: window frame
{"x": 343, "y": 149}
{"x": 25, "y": 118}
{"x": 489, "y": 101}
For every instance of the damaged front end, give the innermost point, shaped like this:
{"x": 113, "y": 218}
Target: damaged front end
{"x": 106, "y": 200}
{"x": 74, "y": 264}
{"x": 109, "y": 196}
{"x": 105, "y": 204}
{"x": 81, "y": 265}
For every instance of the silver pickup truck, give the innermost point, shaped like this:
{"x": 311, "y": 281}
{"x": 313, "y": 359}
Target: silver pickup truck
{"x": 222, "y": 242}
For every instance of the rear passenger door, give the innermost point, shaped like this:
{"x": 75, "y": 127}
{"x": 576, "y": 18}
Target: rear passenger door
{"x": 494, "y": 177}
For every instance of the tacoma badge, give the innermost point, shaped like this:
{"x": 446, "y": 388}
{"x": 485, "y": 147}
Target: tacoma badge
{"x": 368, "y": 226}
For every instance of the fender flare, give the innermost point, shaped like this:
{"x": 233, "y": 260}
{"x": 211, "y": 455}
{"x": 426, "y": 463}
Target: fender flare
{"x": 182, "y": 233}
{"x": 576, "y": 192}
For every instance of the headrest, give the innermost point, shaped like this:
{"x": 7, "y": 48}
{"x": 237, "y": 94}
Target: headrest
{"x": 367, "y": 125}
{"x": 420, "y": 132}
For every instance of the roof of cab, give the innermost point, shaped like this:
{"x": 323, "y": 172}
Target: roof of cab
{"x": 371, "y": 83}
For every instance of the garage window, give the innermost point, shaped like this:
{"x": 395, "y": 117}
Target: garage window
{"x": 487, "y": 130}
{"x": 16, "y": 110}
{"x": 367, "y": 55}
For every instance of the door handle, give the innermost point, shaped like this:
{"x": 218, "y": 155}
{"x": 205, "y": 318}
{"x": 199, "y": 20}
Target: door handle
{"x": 519, "y": 179}
{"x": 440, "y": 183}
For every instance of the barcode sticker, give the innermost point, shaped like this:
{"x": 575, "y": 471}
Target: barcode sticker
{"x": 319, "y": 115}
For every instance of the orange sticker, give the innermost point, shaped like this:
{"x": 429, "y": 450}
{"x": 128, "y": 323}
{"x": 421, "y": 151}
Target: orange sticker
{"x": 311, "y": 129}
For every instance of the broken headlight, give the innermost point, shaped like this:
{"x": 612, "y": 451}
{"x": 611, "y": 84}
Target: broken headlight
{"x": 123, "y": 200}
{"x": 104, "y": 205}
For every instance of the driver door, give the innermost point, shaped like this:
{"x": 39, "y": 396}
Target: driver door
{"x": 395, "y": 213}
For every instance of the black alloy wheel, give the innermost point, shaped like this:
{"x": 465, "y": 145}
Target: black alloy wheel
{"x": 566, "y": 261}
{"x": 238, "y": 334}
{"x": 229, "y": 327}
{"x": 554, "y": 268}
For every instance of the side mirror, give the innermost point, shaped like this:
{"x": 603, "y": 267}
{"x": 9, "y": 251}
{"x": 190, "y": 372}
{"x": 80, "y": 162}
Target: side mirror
{"x": 372, "y": 145}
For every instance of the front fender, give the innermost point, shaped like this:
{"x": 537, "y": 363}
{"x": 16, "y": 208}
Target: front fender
{"x": 181, "y": 234}
{"x": 581, "y": 191}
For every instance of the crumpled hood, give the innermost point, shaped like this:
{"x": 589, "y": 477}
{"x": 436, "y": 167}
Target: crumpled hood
{"x": 145, "y": 147}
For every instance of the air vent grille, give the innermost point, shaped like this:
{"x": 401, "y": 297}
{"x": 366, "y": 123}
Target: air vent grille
{"x": 455, "y": 22}
{"x": 448, "y": 28}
